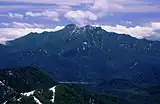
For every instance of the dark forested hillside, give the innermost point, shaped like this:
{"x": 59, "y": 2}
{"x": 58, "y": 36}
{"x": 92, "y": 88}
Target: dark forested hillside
{"x": 20, "y": 80}
{"x": 87, "y": 54}
{"x": 26, "y": 79}
{"x": 32, "y": 86}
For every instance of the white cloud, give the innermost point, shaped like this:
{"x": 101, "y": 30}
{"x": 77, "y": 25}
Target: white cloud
{"x": 155, "y": 36}
{"x": 22, "y": 29}
{"x": 15, "y": 15}
{"x": 62, "y": 9}
{"x": 149, "y": 32}
{"x": 53, "y": 15}
{"x": 127, "y": 22}
{"x": 21, "y": 25}
{"x": 155, "y": 25}
{"x": 3, "y": 40}
{"x": 58, "y": 28}
{"x": 58, "y": 2}
{"x": 102, "y": 7}
{"x": 81, "y": 17}
{"x": 138, "y": 31}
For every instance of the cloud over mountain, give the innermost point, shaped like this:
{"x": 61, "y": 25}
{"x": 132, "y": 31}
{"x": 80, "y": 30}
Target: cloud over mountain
{"x": 17, "y": 30}
{"x": 153, "y": 30}
{"x": 81, "y": 17}
{"x": 127, "y": 16}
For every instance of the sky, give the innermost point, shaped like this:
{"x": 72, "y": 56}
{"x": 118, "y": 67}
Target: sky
{"x": 138, "y": 18}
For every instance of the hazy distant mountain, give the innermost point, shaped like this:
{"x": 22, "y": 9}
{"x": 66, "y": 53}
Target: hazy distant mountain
{"x": 88, "y": 54}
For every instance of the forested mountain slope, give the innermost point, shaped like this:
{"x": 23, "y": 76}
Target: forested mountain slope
{"x": 87, "y": 54}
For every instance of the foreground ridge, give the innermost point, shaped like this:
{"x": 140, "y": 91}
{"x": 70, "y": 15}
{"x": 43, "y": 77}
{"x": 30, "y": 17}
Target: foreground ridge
{"x": 58, "y": 94}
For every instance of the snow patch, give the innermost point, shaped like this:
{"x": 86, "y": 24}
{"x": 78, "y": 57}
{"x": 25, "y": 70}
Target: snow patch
{"x": 28, "y": 93}
{"x": 85, "y": 43}
{"x": 19, "y": 99}
{"x": 37, "y": 101}
{"x": 10, "y": 72}
{"x": 53, "y": 89}
{"x": 45, "y": 51}
{"x": 84, "y": 48}
{"x": 135, "y": 63}
{"x": 1, "y": 83}
{"x": 78, "y": 50}
{"x": 75, "y": 29}
{"x": 5, "y": 102}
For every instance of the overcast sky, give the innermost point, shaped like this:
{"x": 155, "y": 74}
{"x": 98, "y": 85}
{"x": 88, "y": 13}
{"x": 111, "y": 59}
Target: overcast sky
{"x": 139, "y": 18}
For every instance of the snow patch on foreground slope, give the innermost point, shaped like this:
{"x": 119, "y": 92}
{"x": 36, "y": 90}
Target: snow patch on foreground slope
{"x": 53, "y": 89}
{"x": 28, "y": 93}
{"x": 1, "y": 83}
{"x": 5, "y": 102}
{"x": 37, "y": 101}
{"x": 31, "y": 93}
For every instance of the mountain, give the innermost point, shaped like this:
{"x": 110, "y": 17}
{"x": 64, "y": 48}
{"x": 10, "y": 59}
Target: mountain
{"x": 85, "y": 54}
{"x": 14, "y": 81}
{"x": 32, "y": 86}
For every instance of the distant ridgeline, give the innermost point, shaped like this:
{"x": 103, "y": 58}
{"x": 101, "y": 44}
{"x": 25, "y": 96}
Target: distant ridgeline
{"x": 86, "y": 54}
{"x": 87, "y": 57}
{"x": 32, "y": 86}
